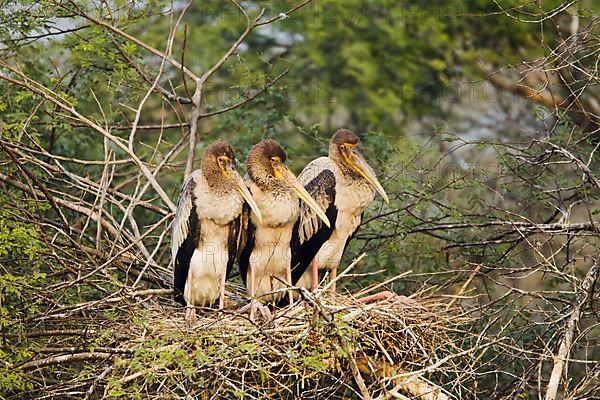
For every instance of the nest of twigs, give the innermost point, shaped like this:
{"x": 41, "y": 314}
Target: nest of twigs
{"x": 324, "y": 345}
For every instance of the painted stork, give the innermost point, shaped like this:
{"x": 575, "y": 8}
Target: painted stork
{"x": 343, "y": 185}
{"x": 265, "y": 261}
{"x": 208, "y": 230}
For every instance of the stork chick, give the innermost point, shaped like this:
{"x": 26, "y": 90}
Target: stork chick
{"x": 265, "y": 261}
{"x": 209, "y": 229}
{"x": 343, "y": 185}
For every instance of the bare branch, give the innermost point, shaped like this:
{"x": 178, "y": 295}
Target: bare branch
{"x": 133, "y": 39}
{"x": 65, "y": 358}
{"x": 49, "y": 95}
{"x": 560, "y": 361}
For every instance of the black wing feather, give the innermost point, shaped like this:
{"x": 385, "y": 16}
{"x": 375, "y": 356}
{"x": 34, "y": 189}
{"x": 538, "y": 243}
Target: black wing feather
{"x": 184, "y": 255}
{"x": 238, "y": 233}
{"x": 322, "y": 186}
{"x": 185, "y": 235}
{"x": 232, "y": 243}
{"x": 247, "y": 244}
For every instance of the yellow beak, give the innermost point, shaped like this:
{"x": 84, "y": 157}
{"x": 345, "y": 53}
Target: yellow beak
{"x": 243, "y": 189}
{"x": 361, "y": 166}
{"x": 289, "y": 177}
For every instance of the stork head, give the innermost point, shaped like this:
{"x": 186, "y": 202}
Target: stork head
{"x": 344, "y": 149}
{"x": 267, "y": 169}
{"x": 264, "y": 161}
{"x": 220, "y": 171}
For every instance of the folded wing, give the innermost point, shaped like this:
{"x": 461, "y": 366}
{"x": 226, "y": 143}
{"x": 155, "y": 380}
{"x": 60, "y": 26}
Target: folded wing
{"x": 310, "y": 233}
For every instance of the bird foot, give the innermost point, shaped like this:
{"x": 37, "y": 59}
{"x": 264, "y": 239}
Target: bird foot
{"x": 254, "y": 306}
{"x": 190, "y": 314}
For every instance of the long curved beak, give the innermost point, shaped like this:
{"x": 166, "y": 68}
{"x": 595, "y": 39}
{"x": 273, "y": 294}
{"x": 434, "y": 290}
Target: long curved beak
{"x": 289, "y": 177}
{"x": 361, "y": 166}
{"x": 243, "y": 189}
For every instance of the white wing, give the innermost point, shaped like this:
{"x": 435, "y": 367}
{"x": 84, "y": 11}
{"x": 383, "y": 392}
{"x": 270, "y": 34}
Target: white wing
{"x": 318, "y": 178}
{"x": 181, "y": 224}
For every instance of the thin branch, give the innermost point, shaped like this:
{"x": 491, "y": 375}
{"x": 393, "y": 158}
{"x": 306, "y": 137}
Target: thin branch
{"x": 197, "y": 97}
{"x": 133, "y": 39}
{"x": 60, "y": 102}
{"x": 560, "y": 361}
{"x": 247, "y": 99}
{"x": 65, "y": 358}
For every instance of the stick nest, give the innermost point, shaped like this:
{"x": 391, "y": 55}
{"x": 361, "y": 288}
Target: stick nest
{"x": 325, "y": 345}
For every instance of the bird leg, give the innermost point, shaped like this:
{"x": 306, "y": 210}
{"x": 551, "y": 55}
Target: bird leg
{"x": 289, "y": 280}
{"x": 332, "y": 276}
{"x": 252, "y": 291}
{"x": 264, "y": 310}
{"x": 222, "y": 291}
{"x": 315, "y": 273}
{"x": 190, "y": 314}
{"x": 386, "y": 294}
{"x": 190, "y": 309}
{"x": 255, "y": 304}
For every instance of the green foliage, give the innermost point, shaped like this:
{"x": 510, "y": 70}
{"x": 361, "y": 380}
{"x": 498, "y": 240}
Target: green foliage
{"x": 384, "y": 61}
{"x": 20, "y": 245}
{"x": 15, "y": 305}
{"x": 18, "y": 239}
{"x": 11, "y": 380}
